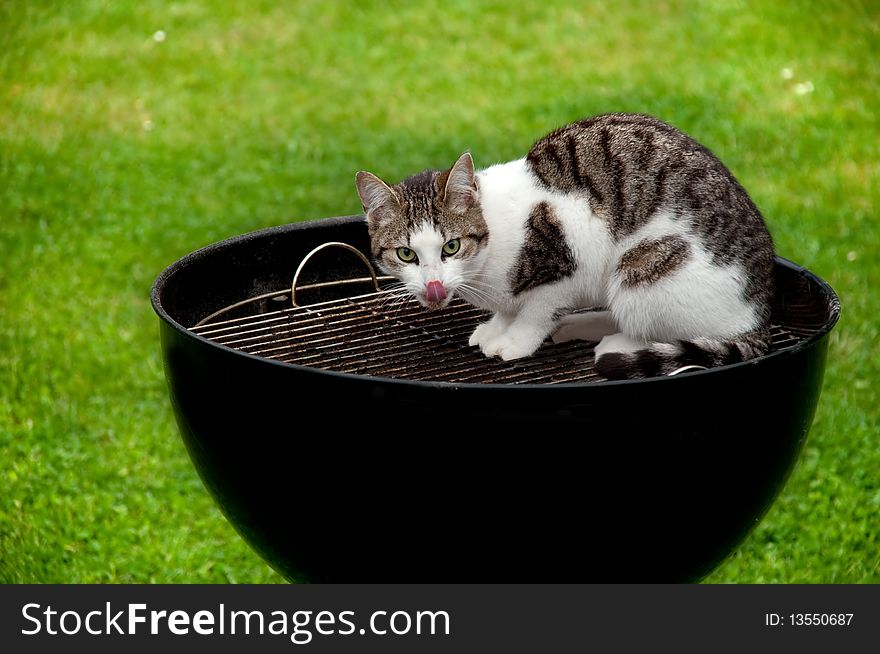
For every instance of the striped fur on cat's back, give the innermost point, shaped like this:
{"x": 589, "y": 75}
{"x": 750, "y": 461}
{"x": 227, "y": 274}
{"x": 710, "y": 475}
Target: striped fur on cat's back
{"x": 621, "y": 211}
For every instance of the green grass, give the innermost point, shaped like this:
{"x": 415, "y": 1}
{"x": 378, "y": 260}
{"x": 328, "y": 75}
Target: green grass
{"x": 120, "y": 153}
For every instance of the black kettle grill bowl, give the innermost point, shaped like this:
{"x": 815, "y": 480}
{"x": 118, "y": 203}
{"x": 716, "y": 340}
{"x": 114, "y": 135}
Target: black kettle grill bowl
{"x": 336, "y": 477}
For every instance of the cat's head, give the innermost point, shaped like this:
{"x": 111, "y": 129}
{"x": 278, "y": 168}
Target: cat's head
{"x": 428, "y": 231}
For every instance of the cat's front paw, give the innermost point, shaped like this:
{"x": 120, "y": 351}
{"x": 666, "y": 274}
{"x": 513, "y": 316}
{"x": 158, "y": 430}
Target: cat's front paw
{"x": 489, "y": 331}
{"x": 508, "y": 347}
{"x": 482, "y": 333}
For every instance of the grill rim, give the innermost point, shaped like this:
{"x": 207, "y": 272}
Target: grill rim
{"x": 833, "y": 309}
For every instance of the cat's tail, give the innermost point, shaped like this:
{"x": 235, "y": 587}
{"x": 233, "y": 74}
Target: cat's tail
{"x": 618, "y": 358}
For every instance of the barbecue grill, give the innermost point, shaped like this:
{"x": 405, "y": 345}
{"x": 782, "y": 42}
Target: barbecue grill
{"x": 351, "y": 435}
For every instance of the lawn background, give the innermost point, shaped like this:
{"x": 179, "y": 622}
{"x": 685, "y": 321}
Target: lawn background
{"x": 132, "y": 133}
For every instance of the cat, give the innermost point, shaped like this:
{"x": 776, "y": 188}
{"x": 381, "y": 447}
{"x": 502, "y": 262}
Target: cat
{"x": 621, "y": 211}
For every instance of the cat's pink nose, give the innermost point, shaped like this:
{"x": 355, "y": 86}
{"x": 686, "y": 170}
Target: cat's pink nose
{"x": 435, "y": 291}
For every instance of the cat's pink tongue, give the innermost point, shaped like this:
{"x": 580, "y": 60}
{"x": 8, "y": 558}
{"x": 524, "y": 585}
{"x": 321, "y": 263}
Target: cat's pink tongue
{"x": 435, "y": 291}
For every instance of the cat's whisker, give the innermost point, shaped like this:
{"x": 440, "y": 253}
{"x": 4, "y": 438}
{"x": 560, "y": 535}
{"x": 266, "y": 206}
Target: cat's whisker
{"x": 480, "y": 294}
{"x": 478, "y": 282}
{"x": 402, "y": 302}
{"x": 389, "y": 299}
{"x": 463, "y": 282}
{"x": 395, "y": 292}
{"x": 396, "y": 302}
{"x": 392, "y": 299}
{"x": 406, "y": 297}
{"x": 487, "y": 288}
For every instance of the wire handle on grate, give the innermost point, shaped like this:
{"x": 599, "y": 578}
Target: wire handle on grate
{"x": 324, "y": 246}
{"x": 283, "y": 293}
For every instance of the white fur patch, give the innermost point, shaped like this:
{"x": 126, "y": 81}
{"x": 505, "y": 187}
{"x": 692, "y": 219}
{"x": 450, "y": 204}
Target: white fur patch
{"x": 427, "y": 243}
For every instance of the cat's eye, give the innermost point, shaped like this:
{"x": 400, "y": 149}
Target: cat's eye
{"x": 451, "y": 247}
{"x": 406, "y": 255}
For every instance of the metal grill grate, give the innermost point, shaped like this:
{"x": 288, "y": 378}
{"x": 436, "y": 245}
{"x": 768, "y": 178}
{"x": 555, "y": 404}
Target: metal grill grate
{"x": 376, "y": 334}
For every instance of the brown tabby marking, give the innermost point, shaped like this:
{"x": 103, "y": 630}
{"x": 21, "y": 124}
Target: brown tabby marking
{"x": 651, "y": 260}
{"x": 545, "y": 256}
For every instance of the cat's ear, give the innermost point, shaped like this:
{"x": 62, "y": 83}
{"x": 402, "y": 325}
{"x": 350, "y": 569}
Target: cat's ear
{"x": 375, "y": 195}
{"x": 460, "y": 193}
